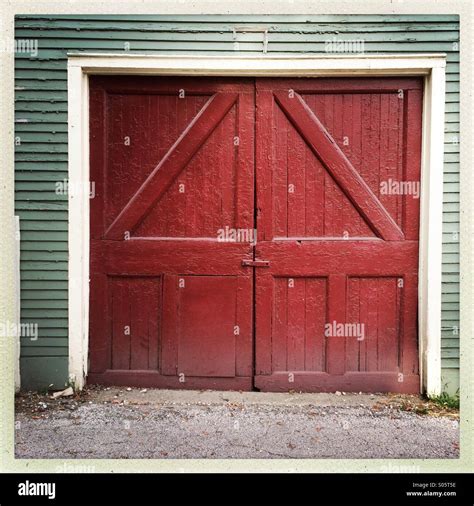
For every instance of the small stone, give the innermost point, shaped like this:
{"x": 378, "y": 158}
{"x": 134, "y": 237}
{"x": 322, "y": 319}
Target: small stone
{"x": 129, "y": 389}
{"x": 144, "y": 391}
{"x": 338, "y": 393}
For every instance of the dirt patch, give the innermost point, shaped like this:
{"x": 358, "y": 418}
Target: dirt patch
{"x": 40, "y": 405}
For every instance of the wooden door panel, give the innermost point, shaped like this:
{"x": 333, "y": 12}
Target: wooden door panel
{"x": 299, "y": 317}
{"x": 185, "y": 172}
{"x": 323, "y": 257}
{"x": 142, "y": 129}
{"x": 139, "y": 126}
{"x": 324, "y": 149}
{"x": 307, "y": 201}
{"x": 135, "y": 317}
{"x": 199, "y": 203}
{"x": 338, "y": 165}
{"x": 373, "y": 132}
{"x": 208, "y": 331}
{"x": 374, "y": 302}
{"x": 173, "y": 164}
{"x": 203, "y": 324}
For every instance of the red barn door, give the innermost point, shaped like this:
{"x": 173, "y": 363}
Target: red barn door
{"x": 338, "y": 171}
{"x": 172, "y": 161}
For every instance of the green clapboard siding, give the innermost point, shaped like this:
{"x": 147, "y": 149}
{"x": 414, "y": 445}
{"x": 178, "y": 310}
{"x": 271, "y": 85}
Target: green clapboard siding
{"x": 41, "y": 138}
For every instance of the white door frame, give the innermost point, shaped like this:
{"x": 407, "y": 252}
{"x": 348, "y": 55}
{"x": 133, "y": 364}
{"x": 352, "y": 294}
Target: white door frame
{"x": 431, "y": 66}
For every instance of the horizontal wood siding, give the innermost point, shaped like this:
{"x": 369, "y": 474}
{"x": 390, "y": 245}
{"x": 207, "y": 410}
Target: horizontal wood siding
{"x": 41, "y": 137}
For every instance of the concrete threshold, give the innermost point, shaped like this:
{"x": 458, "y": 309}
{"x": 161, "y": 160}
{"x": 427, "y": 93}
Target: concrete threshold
{"x": 213, "y": 397}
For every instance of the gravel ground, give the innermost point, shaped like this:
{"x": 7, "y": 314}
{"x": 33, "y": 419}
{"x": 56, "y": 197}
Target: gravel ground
{"x": 121, "y": 424}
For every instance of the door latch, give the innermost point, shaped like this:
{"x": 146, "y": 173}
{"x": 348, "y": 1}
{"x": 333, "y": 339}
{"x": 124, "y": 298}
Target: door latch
{"x": 255, "y": 263}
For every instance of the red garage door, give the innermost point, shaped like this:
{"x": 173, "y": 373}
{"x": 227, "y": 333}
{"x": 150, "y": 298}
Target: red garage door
{"x": 338, "y": 168}
{"x": 173, "y": 164}
{"x": 182, "y": 296}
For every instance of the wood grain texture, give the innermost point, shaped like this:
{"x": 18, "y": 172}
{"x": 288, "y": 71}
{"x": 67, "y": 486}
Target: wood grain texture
{"x": 342, "y": 252}
{"x": 162, "y": 177}
{"x": 173, "y": 304}
{"x": 339, "y": 166}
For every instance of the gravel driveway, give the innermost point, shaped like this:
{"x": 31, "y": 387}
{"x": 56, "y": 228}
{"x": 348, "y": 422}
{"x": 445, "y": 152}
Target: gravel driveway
{"x": 116, "y": 423}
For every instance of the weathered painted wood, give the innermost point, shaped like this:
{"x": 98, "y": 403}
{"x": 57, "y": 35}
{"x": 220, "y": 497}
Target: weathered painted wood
{"x": 180, "y": 292}
{"x": 339, "y": 166}
{"x": 432, "y": 18}
{"x": 40, "y": 76}
{"x": 147, "y": 40}
{"x": 358, "y": 272}
{"x": 172, "y": 164}
{"x": 59, "y": 55}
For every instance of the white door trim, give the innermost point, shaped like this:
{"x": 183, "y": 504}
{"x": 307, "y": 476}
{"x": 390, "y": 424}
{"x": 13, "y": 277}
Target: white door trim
{"x": 431, "y": 66}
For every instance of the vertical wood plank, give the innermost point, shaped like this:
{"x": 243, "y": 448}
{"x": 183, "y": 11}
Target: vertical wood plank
{"x": 372, "y": 328}
{"x": 153, "y": 294}
{"x": 353, "y": 307}
{"x": 337, "y": 315}
{"x": 412, "y": 165}
{"x": 280, "y": 325}
{"x": 409, "y": 345}
{"x": 280, "y": 175}
{"x": 264, "y": 155}
{"x": 296, "y": 325}
{"x": 244, "y": 319}
{"x": 315, "y": 318}
{"x": 244, "y": 161}
{"x": 121, "y": 324}
{"x": 387, "y": 324}
{"x": 265, "y": 320}
{"x": 169, "y": 349}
